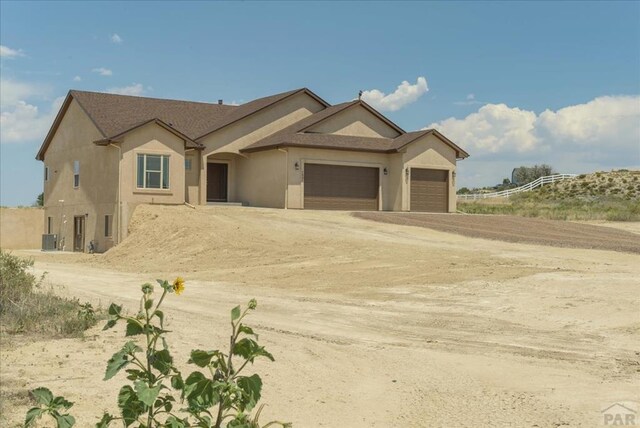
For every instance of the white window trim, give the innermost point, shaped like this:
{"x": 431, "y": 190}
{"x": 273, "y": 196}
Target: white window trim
{"x": 144, "y": 169}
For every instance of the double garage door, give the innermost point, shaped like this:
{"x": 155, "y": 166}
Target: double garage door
{"x": 355, "y": 188}
{"x": 339, "y": 187}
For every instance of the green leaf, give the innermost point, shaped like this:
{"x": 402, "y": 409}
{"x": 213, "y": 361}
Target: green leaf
{"x": 173, "y": 422}
{"x": 119, "y": 360}
{"x": 42, "y": 396}
{"x": 61, "y": 402}
{"x": 148, "y": 304}
{"x": 249, "y": 350}
{"x": 129, "y": 404}
{"x": 160, "y": 316}
{"x": 201, "y": 391}
{"x": 134, "y": 328}
{"x": 114, "y": 310}
{"x": 252, "y": 388}
{"x": 145, "y": 394}
{"x": 202, "y": 358}
{"x": 105, "y": 421}
{"x": 163, "y": 361}
{"x": 164, "y": 284}
{"x": 246, "y": 330}
{"x": 177, "y": 382}
{"x": 32, "y": 415}
{"x": 235, "y": 313}
{"x": 111, "y": 323}
{"x": 65, "y": 421}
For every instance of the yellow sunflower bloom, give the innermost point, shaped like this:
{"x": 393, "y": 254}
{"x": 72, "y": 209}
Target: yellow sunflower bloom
{"x": 178, "y": 285}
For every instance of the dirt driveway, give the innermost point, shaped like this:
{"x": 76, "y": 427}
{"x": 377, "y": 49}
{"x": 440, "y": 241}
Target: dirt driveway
{"x": 517, "y": 229}
{"x": 371, "y": 324}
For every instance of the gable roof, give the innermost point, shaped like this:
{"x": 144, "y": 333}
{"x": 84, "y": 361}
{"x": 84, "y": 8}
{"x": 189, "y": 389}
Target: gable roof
{"x": 189, "y": 143}
{"x": 114, "y": 115}
{"x": 255, "y": 106}
{"x": 294, "y": 136}
{"x": 403, "y": 140}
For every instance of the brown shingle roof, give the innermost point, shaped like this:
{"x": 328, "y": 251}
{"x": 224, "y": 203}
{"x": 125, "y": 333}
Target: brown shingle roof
{"x": 254, "y": 106}
{"x": 290, "y": 137}
{"x": 115, "y": 114}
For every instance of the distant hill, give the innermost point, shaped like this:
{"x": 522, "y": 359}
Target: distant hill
{"x": 613, "y": 196}
{"x": 621, "y": 184}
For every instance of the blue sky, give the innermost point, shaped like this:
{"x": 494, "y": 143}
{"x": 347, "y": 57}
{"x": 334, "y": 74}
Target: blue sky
{"x": 512, "y": 83}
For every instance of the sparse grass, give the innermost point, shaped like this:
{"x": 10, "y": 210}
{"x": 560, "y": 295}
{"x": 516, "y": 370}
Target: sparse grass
{"x": 26, "y": 307}
{"x": 599, "y": 196}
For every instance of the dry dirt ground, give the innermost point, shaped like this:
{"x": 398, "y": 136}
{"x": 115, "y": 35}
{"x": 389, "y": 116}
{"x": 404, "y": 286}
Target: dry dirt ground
{"x": 371, "y": 324}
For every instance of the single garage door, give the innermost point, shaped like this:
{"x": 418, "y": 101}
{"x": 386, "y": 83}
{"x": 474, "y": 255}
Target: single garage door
{"x": 429, "y": 190}
{"x": 338, "y": 187}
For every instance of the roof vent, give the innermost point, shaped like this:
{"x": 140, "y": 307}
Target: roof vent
{"x": 219, "y": 102}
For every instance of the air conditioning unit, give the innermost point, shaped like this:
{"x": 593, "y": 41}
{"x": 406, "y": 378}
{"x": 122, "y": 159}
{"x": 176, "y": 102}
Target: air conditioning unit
{"x": 49, "y": 242}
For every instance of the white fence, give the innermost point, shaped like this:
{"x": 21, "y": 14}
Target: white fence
{"x": 524, "y": 188}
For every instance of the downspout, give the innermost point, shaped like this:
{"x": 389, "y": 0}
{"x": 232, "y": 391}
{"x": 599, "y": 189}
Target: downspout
{"x": 286, "y": 175}
{"x": 119, "y": 210}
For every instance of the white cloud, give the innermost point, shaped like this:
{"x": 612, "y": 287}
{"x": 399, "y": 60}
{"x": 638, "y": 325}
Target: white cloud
{"x": 12, "y": 91}
{"x": 404, "y": 94}
{"x": 603, "y": 133}
{"x": 115, "y": 38}
{"x": 7, "y": 52}
{"x": 77, "y": 79}
{"x": 20, "y": 120}
{"x": 135, "y": 89}
{"x": 102, "y": 71}
{"x": 471, "y": 97}
{"x": 494, "y": 128}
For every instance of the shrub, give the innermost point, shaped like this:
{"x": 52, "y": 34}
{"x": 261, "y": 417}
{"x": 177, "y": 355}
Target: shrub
{"x": 26, "y": 308}
{"x": 224, "y": 396}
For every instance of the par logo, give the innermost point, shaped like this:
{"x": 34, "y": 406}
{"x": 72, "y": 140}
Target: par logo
{"x": 623, "y": 413}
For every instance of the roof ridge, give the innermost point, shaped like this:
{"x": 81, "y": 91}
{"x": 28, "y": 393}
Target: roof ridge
{"x": 76, "y": 91}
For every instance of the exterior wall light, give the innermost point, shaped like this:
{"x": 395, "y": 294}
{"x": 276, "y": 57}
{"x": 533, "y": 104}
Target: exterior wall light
{"x": 385, "y": 171}
{"x": 296, "y": 166}
{"x": 406, "y": 173}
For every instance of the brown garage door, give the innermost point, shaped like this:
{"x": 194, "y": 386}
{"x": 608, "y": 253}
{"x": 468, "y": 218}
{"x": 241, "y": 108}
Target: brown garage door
{"x": 338, "y": 187}
{"x": 429, "y": 190}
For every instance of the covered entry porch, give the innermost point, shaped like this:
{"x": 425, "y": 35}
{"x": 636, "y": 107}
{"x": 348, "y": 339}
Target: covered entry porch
{"x": 218, "y": 178}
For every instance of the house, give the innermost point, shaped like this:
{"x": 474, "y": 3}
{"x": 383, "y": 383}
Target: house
{"x": 106, "y": 153}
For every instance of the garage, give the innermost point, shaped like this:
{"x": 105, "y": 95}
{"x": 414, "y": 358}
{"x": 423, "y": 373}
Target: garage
{"x": 429, "y": 190}
{"x": 340, "y": 187}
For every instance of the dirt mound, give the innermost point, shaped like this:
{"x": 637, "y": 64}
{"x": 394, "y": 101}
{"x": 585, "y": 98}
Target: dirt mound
{"x": 287, "y": 248}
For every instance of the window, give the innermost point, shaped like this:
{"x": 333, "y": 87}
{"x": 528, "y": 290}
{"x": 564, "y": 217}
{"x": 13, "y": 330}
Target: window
{"x": 107, "y": 225}
{"x": 187, "y": 164}
{"x": 76, "y": 174}
{"x": 46, "y": 173}
{"x": 49, "y": 225}
{"x": 153, "y": 171}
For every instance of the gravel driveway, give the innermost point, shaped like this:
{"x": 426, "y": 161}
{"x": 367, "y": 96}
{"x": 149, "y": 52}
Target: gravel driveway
{"x": 522, "y": 230}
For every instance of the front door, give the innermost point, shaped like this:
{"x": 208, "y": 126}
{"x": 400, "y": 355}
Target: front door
{"x": 78, "y": 233}
{"x": 217, "y": 182}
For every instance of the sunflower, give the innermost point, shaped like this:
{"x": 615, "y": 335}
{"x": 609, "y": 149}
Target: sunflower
{"x": 178, "y": 285}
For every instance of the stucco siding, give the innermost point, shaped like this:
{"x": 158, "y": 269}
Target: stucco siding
{"x": 261, "y": 179}
{"x": 21, "y": 228}
{"x": 431, "y": 153}
{"x": 356, "y": 121}
{"x": 96, "y": 194}
{"x": 247, "y": 131}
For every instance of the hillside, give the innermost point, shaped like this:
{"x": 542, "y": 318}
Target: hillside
{"x": 613, "y": 196}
